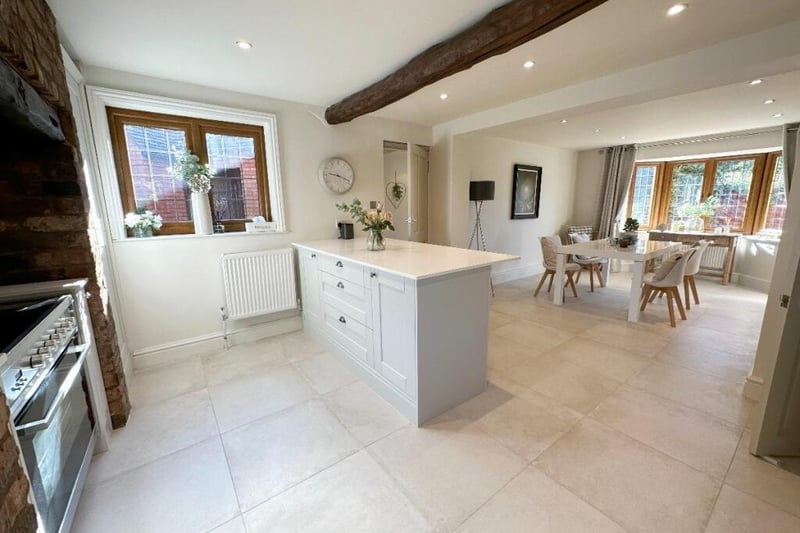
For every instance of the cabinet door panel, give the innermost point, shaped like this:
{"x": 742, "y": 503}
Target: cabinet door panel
{"x": 310, "y": 285}
{"x": 394, "y": 331}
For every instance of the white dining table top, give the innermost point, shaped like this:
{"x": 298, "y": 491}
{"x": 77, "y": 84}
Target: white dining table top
{"x": 643, "y": 250}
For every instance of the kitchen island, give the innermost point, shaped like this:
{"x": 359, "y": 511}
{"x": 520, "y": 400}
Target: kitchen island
{"x": 411, "y": 321}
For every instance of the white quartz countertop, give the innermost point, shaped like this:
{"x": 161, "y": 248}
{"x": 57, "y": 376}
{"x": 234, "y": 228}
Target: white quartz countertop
{"x": 408, "y": 259}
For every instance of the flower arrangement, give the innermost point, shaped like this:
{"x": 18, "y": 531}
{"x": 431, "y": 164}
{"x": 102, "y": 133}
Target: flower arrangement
{"x": 705, "y": 209}
{"x": 375, "y": 221}
{"x": 143, "y": 222}
{"x": 188, "y": 168}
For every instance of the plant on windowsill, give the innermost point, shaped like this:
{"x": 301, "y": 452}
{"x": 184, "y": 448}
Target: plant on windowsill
{"x": 697, "y": 215}
{"x": 630, "y": 230}
{"x": 197, "y": 177}
{"x": 375, "y": 221}
{"x": 143, "y": 222}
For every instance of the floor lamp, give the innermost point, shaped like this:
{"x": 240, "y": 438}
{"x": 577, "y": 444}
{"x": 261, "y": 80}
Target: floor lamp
{"x": 479, "y": 192}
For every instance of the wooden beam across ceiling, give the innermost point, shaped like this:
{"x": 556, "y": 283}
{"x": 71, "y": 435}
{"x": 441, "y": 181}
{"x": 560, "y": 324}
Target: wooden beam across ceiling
{"x": 503, "y": 29}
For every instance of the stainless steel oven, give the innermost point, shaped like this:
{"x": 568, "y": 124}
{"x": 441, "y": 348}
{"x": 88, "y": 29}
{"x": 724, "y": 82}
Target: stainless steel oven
{"x": 45, "y": 378}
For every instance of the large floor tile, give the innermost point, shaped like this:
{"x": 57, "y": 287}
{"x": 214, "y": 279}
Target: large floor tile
{"x": 155, "y": 431}
{"x": 245, "y": 399}
{"x": 737, "y": 512}
{"x": 161, "y": 383}
{"x": 763, "y": 480}
{"x": 628, "y": 337}
{"x": 497, "y": 319}
{"x": 504, "y": 353}
{"x": 298, "y": 345}
{"x": 725, "y": 365}
{"x": 612, "y": 362}
{"x": 188, "y": 491}
{"x": 534, "y": 503}
{"x": 574, "y": 386}
{"x": 448, "y": 469}
{"x": 706, "y": 393}
{"x": 234, "y": 526}
{"x": 243, "y": 360}
{"x": 325, "y": 372}
{"x": 700, "y": 440}
{"x": 367, "y": 416}
{"x": 272, "y": 454}
{"x": 535, "y": 337}
{"x": 519, "y": 424}
{"x": 638, "y": 487}
{"x": 355, "y": 495}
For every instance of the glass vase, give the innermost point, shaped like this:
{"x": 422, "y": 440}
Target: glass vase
{"x": 142, "y": 232}
{"x": 375, "y": 242}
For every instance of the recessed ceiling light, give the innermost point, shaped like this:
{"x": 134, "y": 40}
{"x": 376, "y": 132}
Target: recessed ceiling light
{"x": 443, "y": 96}
{"x": 529, "y": 64}
{"x": 623, "y": 137}
{"x": 564, "y": 121}
{"x": 597, "y": 130}
{"x": 777, "y": 115}
{"x": 769, "y": 101}
{"x": 677, "y": 8}
{"x": 244, "y": 45}
{"x": 757, "y": 81}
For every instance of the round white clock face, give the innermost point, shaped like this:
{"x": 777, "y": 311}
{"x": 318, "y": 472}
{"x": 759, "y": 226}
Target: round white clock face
{"x": 336, "y": 175}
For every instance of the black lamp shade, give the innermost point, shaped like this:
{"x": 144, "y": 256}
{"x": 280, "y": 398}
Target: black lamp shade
{"x": 481, "y": 190}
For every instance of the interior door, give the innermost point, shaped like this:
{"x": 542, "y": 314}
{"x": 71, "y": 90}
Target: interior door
{"x": 418, "y": 193}
{"x": 776, "y": 428}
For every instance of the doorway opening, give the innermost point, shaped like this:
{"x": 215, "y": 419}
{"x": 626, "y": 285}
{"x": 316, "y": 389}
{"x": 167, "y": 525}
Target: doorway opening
{"x": 405, "y": 178}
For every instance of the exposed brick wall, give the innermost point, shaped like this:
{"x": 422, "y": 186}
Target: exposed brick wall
{"x": 45, "y": 229}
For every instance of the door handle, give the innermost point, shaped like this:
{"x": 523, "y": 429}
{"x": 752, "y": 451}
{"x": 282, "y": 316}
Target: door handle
{"x": 339, "y": 264}
{"x": 313, "y": 256}
{"x": 340, "y": 285}
{"x": 342, "y": 320}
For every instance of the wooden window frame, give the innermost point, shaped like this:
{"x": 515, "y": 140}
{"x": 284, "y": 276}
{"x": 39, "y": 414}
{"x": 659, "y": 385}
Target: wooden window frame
{"x": 195, "y": 130}
{"x": 756, "y": 200}
{"x": 655, "y": 198}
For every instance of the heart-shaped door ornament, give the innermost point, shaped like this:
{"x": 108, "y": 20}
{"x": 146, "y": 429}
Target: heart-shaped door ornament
{"x": 395, "y": 191}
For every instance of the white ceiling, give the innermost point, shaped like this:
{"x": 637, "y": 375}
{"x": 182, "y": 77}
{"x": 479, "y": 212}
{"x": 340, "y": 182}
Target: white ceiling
{"x": 320, "y": 51}
{"x": 733, "y": 107}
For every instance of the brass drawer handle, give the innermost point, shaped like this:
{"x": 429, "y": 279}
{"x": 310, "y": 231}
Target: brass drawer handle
{"x": 339, "y": 264}
{"x": 342, "y": 320}
{"x": 313, "y": 256}
{"x": 373, "y": 275}
{"x": 340, "y": 285}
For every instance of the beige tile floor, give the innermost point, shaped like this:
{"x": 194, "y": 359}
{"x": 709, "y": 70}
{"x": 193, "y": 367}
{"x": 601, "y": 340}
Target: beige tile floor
{"x": 588, "y": 424}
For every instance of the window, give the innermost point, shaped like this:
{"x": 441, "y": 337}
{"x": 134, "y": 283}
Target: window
{"x": 145, "y": 145}
{"x": 749, "y": 193}
{"x": 641, "y": 195}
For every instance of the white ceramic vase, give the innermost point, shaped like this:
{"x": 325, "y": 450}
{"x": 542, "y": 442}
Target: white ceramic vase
{"x": 201, "y": 214}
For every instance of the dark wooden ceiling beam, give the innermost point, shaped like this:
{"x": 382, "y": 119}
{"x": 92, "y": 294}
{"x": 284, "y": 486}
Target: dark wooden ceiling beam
{"x": 503, "y": 29}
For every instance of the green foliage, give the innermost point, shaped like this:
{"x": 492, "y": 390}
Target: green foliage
{"x": 189, "y": 169}
{"x": 377, "y": 219}
{"x": 705, "y": 209}
{"x": 631, "y": 225}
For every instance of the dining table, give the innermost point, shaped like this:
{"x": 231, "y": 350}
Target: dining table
{"x": 639, "y": 253}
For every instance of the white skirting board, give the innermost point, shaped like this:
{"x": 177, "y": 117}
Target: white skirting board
{"x": 511, "y": 274}
{"x": 172, "y": 352}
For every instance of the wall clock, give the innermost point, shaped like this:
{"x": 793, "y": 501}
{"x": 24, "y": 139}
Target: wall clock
{"x": 336, "y": 175}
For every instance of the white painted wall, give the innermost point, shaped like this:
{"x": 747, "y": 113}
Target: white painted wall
{"x": 170, "y": 287}
{"x": 478, "y": 157}
{"x": 755, "y": 257}
{"x": 395, "y": 164}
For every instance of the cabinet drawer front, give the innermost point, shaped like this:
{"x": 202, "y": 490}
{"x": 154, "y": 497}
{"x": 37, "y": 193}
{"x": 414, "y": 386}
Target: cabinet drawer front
{"x": 342, "y": 269}
{"x": 349, "y": 306}
{"x": 338, "y": 287}
{"x": 349, "y": 333}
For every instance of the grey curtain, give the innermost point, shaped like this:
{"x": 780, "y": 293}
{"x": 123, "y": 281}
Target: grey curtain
{"x": 616, "y": 179}
{"x": 791, "y": 148}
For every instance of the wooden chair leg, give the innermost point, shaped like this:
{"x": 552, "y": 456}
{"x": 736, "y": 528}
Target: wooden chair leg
{"x": 686, "y": 293}
{"x": 552, "y": 277}
{"x": 578, "y": 277}
{"x": 591, "y": 278}
{"x": 645, "y": 296}
{"x": 599, "y": 275}
{"x": 694, "y": 290}
{"x": 541, "y": 284}
{"x": 572, "y": 284}
{"x": 653, "y": 296}
{"x": 671, "y": 309}
{"x": 677, "y": 294}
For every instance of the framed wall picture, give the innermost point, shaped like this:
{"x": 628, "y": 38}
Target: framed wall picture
{"x": 526, "y": 191}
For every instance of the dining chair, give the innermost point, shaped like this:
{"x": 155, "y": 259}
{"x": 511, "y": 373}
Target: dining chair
{"x": 665, "y": 281}
{"x": 549, "y": 255}
{"x": 592, "y": 264}
{"x": 692, "y": 268}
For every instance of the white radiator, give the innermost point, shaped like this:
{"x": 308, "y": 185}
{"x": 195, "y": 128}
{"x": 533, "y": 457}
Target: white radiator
{"x": 258, "y": 283}
{"x": 714, "y": 258}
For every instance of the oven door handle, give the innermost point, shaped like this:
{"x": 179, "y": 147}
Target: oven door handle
{"x": 73, "y": 374}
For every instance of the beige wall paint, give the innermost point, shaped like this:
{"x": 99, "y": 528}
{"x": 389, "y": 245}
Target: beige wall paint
{"x": 170, "y": 287}
{"x": 491, "y": 158}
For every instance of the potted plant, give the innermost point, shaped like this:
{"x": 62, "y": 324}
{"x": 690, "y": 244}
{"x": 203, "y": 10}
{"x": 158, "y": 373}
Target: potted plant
{"x": 142, "y": 222}
{"x": 197, "y": 177}
{"x": 696, "y": 215}
{"x": 375, "y": 221}
{"x": 630, "y": 230}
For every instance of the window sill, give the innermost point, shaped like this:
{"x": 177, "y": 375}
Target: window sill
{"x": 771, "y": 239}
{"x": 187, "y": 236}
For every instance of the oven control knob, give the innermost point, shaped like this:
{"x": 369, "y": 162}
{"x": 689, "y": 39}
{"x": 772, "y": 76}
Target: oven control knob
{"x": 36, "y": 361}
